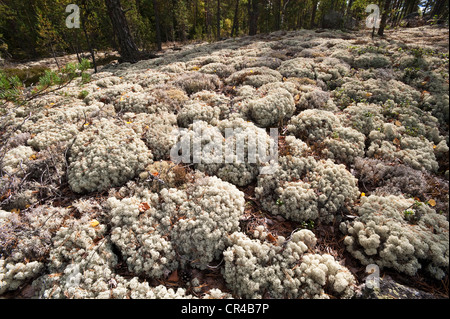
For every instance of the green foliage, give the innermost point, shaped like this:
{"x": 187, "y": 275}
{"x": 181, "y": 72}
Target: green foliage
{"x": 83, "y": 94}
{"x": 408, "y": 213}
{"x": 309, "y": 224}
{"x": 28, "y": 76}
{"x": 12, "y": 87}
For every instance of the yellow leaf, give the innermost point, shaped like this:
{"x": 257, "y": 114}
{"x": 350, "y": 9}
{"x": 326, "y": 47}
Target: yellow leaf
{"x": 32, "y": 157}
{"x": 363, "y": 194}
{"x": 432, "y": 202}
{"x": 398, "y": 123}
{"x": 369, "y": 94}
{"x": 94, "y": 223}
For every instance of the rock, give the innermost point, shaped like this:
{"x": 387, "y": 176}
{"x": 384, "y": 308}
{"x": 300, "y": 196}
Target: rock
{"x": 390, "y": 289}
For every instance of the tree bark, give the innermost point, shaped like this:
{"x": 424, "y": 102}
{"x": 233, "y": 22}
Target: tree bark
{"x": 235, "y": 28}
{"x": 128, "y": 49}
{"x": 313, "y": 14}
{"x": 278, "y": 15}
{"x": 384, "y": 16}
{"x": 86, "y": 35}
{"x": 253, "y": 16}
{"x": 349, "y": 8}
{"x": 439, "y": 9}
{"x": 218, "y": 19}
{"x": 283, "y": 13}
{"x": 157, "y": 26}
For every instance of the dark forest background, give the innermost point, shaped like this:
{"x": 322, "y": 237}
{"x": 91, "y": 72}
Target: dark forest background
{"x": 36, "y": 28}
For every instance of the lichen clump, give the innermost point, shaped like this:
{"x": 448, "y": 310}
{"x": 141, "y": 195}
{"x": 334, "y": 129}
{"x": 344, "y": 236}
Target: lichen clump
{"x": 105, "y": 155}
{"x": 275, "y": 166}
{"x": 398, "y": 233}
{"x": 284, "y": 269}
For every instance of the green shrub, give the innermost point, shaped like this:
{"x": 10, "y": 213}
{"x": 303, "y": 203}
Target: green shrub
{"x": 27, "y": 76}
{"x": 12, "y": 82}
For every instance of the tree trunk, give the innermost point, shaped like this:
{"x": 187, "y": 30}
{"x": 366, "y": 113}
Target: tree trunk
{"x": 283, "y": 13}
{"x": 157, "y": 26}
{"x": 235, "y": 28}
{"x": 439, "y": 9}
{"x": 174, "y": 21}
{"x": 300, "y": 15}
{"x": 278, "y": 15}
{"x": 207, "y": 20}
{"x": 384, "y": 16}
{"x": 253, "y": 16}
{"x": 398, "y": 14}
{"x": 128, "y": 49}
{"x": 218, "y": 19}
{"x": 195, "y": 14}
{"x": 313, "y": 14}
{"x": 349, "y": 8}
{"x": 83, "y": 26}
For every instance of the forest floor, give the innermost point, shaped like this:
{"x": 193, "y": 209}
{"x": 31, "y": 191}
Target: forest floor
{"x": 397, "y": 83}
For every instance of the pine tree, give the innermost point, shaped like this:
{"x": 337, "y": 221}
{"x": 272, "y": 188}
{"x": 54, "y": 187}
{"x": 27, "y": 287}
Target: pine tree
{"x": 128, "y": 49}
{"x": 384, "y": 17}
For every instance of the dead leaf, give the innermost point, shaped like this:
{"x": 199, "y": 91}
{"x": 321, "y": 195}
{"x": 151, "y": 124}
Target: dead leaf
{"x": 144, "y": 207}
{"x": 432, "y": 202}
{"x": 174, "y": 276}
{"x": 271, "y": 238}
{"x": 398, "y": 123}
{"x": 396, "y": 141}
